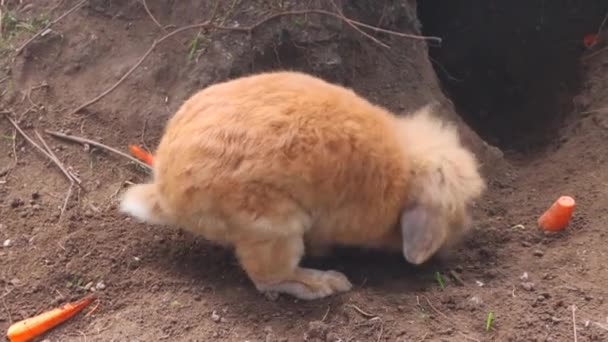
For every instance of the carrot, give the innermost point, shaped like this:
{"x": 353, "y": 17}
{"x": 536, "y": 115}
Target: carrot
{"x": 557, "y": 216}
{"x": 141, "y": 154}
{"x": 590, "y": 39}
{"x": 29, "y": 328}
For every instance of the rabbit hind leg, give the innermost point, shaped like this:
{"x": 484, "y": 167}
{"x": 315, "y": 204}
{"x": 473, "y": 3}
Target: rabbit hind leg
{"x": 273, "y": 265}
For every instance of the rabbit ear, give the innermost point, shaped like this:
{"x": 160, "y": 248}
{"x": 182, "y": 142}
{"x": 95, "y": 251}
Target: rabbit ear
{"x": 423, "y": 232}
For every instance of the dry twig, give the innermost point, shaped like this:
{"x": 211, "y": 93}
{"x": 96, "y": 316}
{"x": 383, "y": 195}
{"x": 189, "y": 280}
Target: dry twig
{"x": 435, "y": 309}
{"x": 65, "y": 203}
{"x": 365, "y": 34}
{"x": 15, "y": 146}
{"x": 448, "y": 319}
{"x": 57, "y": 161}
{"x": 574, "y": 322}
{"x": 152, "y": 16}
{"x": 364, "y": 313}
{"x": 47, "y": 26}
{"x": 33, "y": 143}
{"x": 599, "y": 30}
{"x": 457, "y": 278}
{"x": 8, "y": 312}
{"x": 381, "y": 332}
{"x": 73, "y": 178}
{"x": 93, "y": 309}
{"x": 1, "y": 17}
{"x": 326, "y": 313}
{"x": 138, "y": 63}
{"x": 208, "y": 24}
{"x": 96, "y": 144}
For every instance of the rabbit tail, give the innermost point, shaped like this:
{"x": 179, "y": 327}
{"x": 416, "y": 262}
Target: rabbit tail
{"x": 143, "y": 202}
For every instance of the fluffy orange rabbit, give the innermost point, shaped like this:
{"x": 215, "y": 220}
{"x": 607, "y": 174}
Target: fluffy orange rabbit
{"x": 278, "y": 163}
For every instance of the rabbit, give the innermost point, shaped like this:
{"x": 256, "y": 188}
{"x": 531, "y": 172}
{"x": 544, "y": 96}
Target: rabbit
{"x": 277, "y": 164}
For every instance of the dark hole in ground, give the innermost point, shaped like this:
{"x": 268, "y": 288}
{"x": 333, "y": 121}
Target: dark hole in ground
{"x": 511, "y": 67}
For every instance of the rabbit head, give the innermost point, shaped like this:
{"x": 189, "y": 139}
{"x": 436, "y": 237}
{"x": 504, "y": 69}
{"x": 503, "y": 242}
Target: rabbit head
{"x": 444, "y": 181}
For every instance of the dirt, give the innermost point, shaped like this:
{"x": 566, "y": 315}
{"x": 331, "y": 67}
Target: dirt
{"x": 538, "y": 94}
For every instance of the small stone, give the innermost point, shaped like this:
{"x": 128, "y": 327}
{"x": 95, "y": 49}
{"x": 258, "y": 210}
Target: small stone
{"x": 538, "y": 253}
{"x": 316, "y": 330}
{"x": 216, "y": 317}
{"x": 526, "y": 244}
{"x": 15, "y": 281}
{"x": 16, "y": 202}
{"x": 215, "y": 334}
{"x": 333, "y": 337}
{"x": 88, "y": 286}
{"x": 476, "y": 300}
{"x": 271, "y": 295}
{"x": 479, "y": 283}
{"x": 528, "y": 286}
{"x": 588, "y": 297}
{"x": 524, "y": 276}
{"x": 555, "y": 319}
{"x": 100, "y": 285}
{"x": 7, "y": 243}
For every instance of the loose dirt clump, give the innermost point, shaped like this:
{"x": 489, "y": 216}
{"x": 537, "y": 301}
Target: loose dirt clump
{"x": 538, "y": 94}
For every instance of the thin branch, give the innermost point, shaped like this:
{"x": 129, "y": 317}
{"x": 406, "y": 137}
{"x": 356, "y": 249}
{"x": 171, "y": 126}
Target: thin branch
{"x": 138, "y": 63}
{"x": 96, "y": 144}
{"x": 337, "y": 16}
{"x": 31, "y": 141}
{"x": 435, "y": 309}
{"x": 364, "y": 313}
{"x": 151, "y": 15}
{"x": 457, "y": 278}
{"x": 326, "y": 313}
{"x": 381, "y": 332}
{"x": 65, "y": 202}
{"x": 448, "y": 320}
{"x": 15, "y": 146}
{"x": 47, "y": 26}
{"x": 574, "y": 322}
{"x": 54, "y": 156}
{"x": 1, "y": 24}
{"x": 437, "y": 40}
{"x": 8, "y": 312}
{"x": 365, "y": 34}
{"x": 247, "y": 29}
{"x": 599, "y": 30}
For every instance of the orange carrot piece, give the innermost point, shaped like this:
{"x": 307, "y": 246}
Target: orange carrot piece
{"x": 32, "y": 327}
{"x": 141, "y": 154}
{"x": 556, "y": 218}
{"x": 590, "y": 39}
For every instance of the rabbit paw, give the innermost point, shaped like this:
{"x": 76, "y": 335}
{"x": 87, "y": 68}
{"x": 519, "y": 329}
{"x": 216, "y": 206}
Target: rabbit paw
{"x": 309, "y": 284}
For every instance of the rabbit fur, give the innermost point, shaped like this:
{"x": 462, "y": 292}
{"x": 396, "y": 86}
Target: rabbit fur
{"x": 281, "y": 163}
